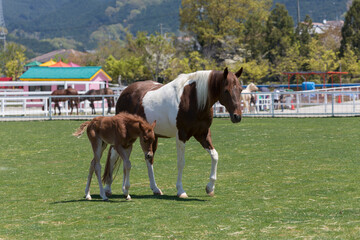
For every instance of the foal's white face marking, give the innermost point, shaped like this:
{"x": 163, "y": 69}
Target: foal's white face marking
{"x": 162, "y": 104}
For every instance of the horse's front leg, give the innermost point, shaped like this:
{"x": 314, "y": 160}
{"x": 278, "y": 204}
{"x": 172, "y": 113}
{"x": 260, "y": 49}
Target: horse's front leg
{"x": 205, "y": 141}
{"x": 180, "y": 146}
{"x": 151, "y": 175}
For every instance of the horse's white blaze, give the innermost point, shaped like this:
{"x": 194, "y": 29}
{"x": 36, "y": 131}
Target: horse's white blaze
{"x": 162, "y": 104}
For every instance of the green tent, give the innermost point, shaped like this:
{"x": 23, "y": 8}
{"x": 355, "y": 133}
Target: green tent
{"x": 33, "y": 64}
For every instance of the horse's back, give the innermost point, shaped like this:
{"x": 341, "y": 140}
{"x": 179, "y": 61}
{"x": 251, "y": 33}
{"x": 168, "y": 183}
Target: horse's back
{"x": 130, "y": 99}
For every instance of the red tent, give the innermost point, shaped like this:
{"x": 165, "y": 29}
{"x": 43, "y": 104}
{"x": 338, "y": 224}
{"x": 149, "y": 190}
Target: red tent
{"x": 60, "y": 64}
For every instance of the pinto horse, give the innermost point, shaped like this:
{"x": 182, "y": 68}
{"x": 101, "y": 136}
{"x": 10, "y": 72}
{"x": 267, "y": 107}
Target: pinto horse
{"x": 73, "y": 101}
{"x": 182, "y": 109}
{"x": 119, "y": 131}
{"x": 103, "y": 91}
{"x": 247, "y": 97}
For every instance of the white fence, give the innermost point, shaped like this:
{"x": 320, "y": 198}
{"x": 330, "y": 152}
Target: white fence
{"x": 35, "y": 106}
{"x": 300, "y": 104}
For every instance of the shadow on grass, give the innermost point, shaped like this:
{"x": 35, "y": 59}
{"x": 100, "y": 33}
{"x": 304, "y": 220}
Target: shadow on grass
{"x": 97, "y": 198}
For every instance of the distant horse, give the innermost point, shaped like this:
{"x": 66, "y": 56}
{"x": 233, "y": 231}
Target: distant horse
{"x": 182, "y": 109}
{"x": 73, "y": 101}
{"x": 247, "y": 96}
{"x": 120, "y": 131}
{"x": 103, "y": 91}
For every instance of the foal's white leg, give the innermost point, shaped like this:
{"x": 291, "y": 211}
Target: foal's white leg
{"x": 125, "y": 154}
{"x": 180, "y": 145}
{"x": 153, "y": 186}
{"x": 91, "y": 172}
{"x": 214, "y": 161}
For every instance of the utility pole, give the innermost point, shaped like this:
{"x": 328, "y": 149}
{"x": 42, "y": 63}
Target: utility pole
{"x": 2, "y": 25}
{"x": 298, "y": 12}
{"x": 161, "y": 29}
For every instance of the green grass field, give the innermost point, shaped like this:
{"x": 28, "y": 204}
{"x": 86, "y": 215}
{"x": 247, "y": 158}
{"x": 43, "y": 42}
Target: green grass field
{"x": 277, "y": 179}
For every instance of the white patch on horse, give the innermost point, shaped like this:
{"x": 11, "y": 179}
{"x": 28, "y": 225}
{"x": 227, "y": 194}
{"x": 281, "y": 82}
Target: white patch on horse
{"x": 162, "y": 104}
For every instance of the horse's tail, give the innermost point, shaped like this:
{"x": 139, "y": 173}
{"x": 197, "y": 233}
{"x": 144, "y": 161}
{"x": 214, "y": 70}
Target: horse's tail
{"x": 107, "y": 170}
{"x": 81, "y": 129}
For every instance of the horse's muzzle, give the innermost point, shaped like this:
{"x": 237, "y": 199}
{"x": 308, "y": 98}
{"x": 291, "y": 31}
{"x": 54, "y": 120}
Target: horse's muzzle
{"x": 235, "y": 118}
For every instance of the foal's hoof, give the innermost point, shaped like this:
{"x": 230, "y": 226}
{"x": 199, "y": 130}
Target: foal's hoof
{"x": 127, "y": 197}
{"x": 88, "y": 197}
{"x": 105, "y": 199}
{"x": 182, "y": 195}
{"x": 210, "y": 193}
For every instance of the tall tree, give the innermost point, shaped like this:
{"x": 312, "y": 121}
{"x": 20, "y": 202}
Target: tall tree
{"x": 303, "y": 35}
{"x": 279, "y": 34}
{"x": 12, "y": 60}
{"x": 351, "y": 30}
{"x": 215, "y": 23}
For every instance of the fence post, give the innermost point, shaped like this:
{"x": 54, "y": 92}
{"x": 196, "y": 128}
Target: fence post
{"x": 332, "y": 104}
{"x": 272, "y": 105}
{"x": 3, "y": 107}
{"x": 50, "y": 113}
{"x": 103, "y": 105}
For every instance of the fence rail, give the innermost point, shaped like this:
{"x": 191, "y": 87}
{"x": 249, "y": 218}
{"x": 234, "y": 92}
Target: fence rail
{"x": 15, "y": 107}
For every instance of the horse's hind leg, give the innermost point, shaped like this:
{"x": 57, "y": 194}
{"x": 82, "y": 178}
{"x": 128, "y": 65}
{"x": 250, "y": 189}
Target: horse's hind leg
{"x": 112, "y": 159}
{"x": 125, "y": 154}
{"x": 98, "y": 147}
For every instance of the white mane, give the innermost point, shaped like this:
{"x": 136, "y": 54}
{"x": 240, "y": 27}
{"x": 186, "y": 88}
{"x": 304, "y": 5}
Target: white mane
{"x": 201, "y": 80}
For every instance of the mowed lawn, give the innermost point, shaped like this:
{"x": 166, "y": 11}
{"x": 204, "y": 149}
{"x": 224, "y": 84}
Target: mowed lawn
{"x": 278, "y": 178}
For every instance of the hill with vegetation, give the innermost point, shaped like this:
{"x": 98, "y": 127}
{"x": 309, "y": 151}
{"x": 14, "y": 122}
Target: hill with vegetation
{"x": 45, "y": 25}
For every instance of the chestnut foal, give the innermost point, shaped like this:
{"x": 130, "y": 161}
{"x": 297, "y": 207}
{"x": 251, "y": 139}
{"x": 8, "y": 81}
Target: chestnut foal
{"x": 120, "y": 131}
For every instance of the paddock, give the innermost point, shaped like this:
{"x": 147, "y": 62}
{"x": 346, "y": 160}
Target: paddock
{"x": 277, "y": 178}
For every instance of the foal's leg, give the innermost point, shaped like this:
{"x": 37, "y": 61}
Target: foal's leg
{"x": 98, "y": 147}
{"x": 180, "y": 145}
{"x": 151, "y": 175}
{"x": 205, "y": 141}
{"x": 112, "y": 158}
{"x": 125, "y": 154}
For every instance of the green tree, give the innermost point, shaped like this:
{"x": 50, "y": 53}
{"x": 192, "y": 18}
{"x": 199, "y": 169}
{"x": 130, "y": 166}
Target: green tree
{"x": 12, "y": 60}
{"x": 279, "y": 34}
{"x": 303, "y": 35}
{"x": 215, "y": 22}
{"x": 351, "y": 30}
{"x": 349, "y": 62}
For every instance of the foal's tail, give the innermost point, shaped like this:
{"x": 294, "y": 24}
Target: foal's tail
{"x": 81, "y": 129}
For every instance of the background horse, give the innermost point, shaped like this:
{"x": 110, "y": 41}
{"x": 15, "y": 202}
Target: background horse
{"x": 103, "y": 91}
{"x": 182, "y": 109}
{"x": 73, "y": 101}
{"x": 120, "y": 131}
{"x": 247, "y": 96}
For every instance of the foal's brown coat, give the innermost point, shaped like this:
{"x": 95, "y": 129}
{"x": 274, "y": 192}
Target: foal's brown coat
{"x": 120, "y": 131}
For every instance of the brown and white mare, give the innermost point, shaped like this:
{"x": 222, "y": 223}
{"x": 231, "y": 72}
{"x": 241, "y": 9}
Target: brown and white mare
{"x": 182, "y": 109}
{"x": 120, "y": 131}
{"x": 103, "y": 91}
{"x": 73, "y": 101}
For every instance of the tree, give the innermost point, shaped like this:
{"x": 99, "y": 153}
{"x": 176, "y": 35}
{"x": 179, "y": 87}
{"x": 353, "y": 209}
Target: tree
{"x": 303, "y": 35}
{"x": 351, "y": 30}
{"x": 349, "y": 62}
{"x": 12, "y": 60}
{"x": 215, "y": 22}
{"x": 279, "y": 34}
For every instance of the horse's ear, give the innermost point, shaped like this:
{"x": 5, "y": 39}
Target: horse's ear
{"x": 153, "y": 124}
{"x": 226, "y": 71}
{"x": 238, "y": 73}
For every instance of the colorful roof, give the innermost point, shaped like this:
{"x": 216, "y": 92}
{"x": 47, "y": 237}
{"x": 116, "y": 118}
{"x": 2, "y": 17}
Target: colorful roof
{"x": 60, "y": 64}
{"x": 33, "y": 64}
{"x": 74, "y": 64}
{"x": 48, "y": 63}
{"x": 62, "y": 74}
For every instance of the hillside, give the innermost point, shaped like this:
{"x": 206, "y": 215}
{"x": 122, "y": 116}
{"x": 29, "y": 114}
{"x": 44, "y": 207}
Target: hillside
{"x": 81, "y": 24}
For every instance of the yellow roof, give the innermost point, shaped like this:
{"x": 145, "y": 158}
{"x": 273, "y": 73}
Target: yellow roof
{"x": 48, "y": 63}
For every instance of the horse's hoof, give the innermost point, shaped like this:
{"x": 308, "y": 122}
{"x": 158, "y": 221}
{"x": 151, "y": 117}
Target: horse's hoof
{"x": 159, "y": 193}
{"x": 210, "y": 193}
{"x": 127, "y": 197}
{"x": 88, "y": 197}
{"x": 183, "y": 195}
{"x": 108, "y": 194}
{"x": 105, "y": 199}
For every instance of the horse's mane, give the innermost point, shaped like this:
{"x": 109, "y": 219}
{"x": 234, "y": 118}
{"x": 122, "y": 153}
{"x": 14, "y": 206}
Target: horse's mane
{"x": 200, "y": 78}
